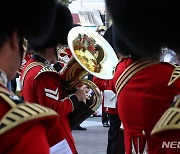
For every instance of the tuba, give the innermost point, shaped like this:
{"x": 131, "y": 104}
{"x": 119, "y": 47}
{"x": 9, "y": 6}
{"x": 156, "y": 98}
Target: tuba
{"x": 91, "y": 53}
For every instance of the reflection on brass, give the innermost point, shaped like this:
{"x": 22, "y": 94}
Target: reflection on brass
{"x": 88, "y": 52}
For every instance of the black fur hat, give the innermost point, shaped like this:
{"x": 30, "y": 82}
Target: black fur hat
{"x": 31, "y": 18}
{"x": 146, "y": 25}
{"x": 121, "y": 46}
{"x": 111, "y": 35}
{"x": 62, "y": 26}
{"x": 108, "y": 36}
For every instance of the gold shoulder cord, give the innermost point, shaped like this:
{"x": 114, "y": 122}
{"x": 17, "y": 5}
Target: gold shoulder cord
{"x": 34, "y": 64}
{"x": 131, "y": 71}
{"x": 46, "y": 69}
{"x": 170, "y": 120}
{"x": 27, "y": 69}
{"x": 21, "y": 113}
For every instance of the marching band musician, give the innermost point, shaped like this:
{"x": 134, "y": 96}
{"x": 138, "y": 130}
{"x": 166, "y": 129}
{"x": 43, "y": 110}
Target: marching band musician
{"x": 25, "y": 59}
{"x": 23, "y": 126}
{"x": 145, "y": 86}
{"x": 115, "y": 133}
{"x": 41, "y": 83}
{"x": 64, "y": 56}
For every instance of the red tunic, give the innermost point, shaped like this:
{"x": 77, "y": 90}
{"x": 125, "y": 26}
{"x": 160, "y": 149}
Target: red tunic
{"x": 142, "y": 101}
{"x": 23, "y": 134}
{"x": 44, "y": 88}
{"x": 168, "y": 128}
{"x": 26, "y": 58}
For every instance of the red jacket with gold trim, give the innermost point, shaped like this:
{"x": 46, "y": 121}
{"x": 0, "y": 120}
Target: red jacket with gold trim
{"x": 168, "y": 126}
{"x": 143, "y": 100}
{"x": 23, "y": 129}
{"x": 25, "y": 59}
{"x": 42, "y": 85}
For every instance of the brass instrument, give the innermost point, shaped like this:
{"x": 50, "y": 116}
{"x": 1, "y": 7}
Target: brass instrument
{"x": 75, "y": 70}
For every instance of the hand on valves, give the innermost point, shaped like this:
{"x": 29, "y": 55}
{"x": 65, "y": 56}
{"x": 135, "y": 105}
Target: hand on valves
{"x": 81, "y": 94}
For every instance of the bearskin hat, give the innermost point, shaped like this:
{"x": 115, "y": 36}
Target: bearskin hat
{"x": 31, "y": 18}
{"x": 146, "y": 25}
{"x": 108, "y": 35}
{"x": 120, "y": 46}
{"x": 62, "y": 26}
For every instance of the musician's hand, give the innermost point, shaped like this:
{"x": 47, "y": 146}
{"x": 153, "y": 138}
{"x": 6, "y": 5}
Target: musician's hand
{"x": 86, "y": 88}
{"x": 81, "y": 95}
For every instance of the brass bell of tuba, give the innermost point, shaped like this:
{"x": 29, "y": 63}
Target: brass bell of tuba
{"x": 91, "y": 53}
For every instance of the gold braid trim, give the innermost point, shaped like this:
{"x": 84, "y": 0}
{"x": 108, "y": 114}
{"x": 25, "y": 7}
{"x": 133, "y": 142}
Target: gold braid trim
{"x": 175, "y": 75}
{"x": 177, "y": 101}
{"x": 23, "y": 113}
{"x": 9, "y": 101}
{"x": 27, "y": 69}
{"x": 46, "y": 69}
{"x": 3, "y": 90}
{"x": 170, "y": 120}
{"x": 34, "y": 64}
{"x": 130, "y": 71}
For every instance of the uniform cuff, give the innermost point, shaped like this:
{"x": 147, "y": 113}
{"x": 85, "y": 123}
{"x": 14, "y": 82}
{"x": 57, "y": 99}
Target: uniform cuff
{"x": 74, "y": 100}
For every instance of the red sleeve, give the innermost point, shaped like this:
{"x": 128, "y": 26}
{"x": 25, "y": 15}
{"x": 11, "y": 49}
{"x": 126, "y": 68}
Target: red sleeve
{"x": 50, "y": 94}
{"x": 100, "y": 83}
{"x": 24, "y": 138}
{"x": 110, "y": 85}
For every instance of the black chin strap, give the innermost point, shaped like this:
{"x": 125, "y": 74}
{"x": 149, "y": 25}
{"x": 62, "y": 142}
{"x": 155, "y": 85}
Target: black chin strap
{"x": 39, "y": 58}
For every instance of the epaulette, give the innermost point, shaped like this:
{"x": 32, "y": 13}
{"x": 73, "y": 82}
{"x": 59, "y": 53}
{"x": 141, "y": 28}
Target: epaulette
{"x": 46, "y": 69}
{"x": 175, "y": 74}
{"x": 170, "y": 120}
{"x": 22, "y": 113}
{"x": 28, "y": 68}
{"x": 9, "y": 97}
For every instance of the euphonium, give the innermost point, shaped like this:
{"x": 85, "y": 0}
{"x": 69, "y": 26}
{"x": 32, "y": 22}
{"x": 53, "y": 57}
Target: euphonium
{"x": 91, "y": 53}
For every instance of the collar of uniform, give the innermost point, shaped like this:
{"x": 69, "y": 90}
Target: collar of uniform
{"x": 41, "y": 59}
{"x": 3, "y": 78}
